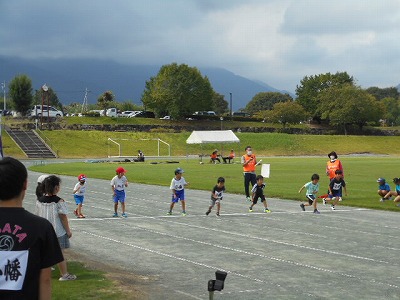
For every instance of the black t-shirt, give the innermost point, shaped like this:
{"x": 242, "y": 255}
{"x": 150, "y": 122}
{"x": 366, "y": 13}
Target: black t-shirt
{"x": 218, "y": 192}
{"x": 28, "y": 244}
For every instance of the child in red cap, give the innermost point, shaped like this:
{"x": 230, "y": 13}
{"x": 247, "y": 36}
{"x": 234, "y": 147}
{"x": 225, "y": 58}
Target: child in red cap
{"x": 118, "y": 184}
{"x": 79, "y": 195}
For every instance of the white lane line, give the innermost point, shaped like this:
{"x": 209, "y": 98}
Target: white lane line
{"x": 188, "y": 261}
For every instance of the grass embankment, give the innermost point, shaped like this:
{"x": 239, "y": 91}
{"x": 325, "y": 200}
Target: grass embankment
{"x": 95, "y": 144}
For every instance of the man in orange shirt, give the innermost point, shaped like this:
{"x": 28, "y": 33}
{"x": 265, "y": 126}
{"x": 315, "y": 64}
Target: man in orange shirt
{"x": 249, "y": 163}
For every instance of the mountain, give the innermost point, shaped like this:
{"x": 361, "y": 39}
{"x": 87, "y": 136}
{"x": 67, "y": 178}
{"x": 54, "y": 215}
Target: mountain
{"x": 70, "y": 77}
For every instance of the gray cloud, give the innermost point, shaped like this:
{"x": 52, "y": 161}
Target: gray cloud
{"x": 276, "y": 41}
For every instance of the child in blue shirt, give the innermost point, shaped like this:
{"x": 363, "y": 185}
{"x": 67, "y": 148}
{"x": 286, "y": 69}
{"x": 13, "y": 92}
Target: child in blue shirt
{"x": 312, "y": 189}
{"x": 383, "y": 188}
{"x": 395, "y": 193}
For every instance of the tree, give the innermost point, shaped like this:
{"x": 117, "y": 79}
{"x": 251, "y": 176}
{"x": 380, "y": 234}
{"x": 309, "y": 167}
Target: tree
{"x": 20, "y": 91}
{"x": 49, "y": 96}
{"x": 288, "y": 112}
{"x": 348, "y": 104}
{"x": 310, "y": 88}
{"x": 390, "y": 92}
{"x": 265, "y": 101}
{"x": 220, "y": 105}
{"x": 104, "y": 100}
{"x": 178, "y": 90}
{"x": 392, "y": 110}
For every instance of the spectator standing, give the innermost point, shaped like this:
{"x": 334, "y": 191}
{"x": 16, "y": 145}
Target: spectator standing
{"x": 54, "y": 209}
{"x": 28, "y": 241}
{"x": 249, "y": 163}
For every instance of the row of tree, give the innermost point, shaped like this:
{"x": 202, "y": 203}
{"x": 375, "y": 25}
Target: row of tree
{"x": 180, "y": 90}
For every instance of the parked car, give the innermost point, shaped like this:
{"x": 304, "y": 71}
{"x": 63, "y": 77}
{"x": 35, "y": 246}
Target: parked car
{"x": 166, "y": 118}
{"x": 134, "y": 113}
{"x": 126, "y": 113}
{"x": 112, "y": 112}
{"x": 146, "y": 114}
{"x": 47, "y": 111}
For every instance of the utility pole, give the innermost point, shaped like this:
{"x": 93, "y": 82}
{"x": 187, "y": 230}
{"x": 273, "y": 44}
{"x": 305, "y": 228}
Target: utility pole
{"x": 3, "y": 86}
{"x": 85, "y": 104}
{"x": 230, "y": 101}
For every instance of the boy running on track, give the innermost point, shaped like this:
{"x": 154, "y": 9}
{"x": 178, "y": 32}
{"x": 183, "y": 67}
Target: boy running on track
{"x": 335, "y": 188}
{"x": 311, "y": 192}
{"x": 118, "y": 185}
{"x": 258, "y": 192}
{"x": 216, "y": 195}
{"x": 79, "y": 195}
{"x": 177, "y": 186}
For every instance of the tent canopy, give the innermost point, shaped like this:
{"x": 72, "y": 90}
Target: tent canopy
{"x": 212, "y": 136}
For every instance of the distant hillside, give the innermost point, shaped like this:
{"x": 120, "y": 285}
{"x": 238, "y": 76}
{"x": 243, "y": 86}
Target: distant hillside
{"x": 69, "y": 78}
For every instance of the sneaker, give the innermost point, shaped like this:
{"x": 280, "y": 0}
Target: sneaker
{"x": 382, "y": 200}
{"x": 333, "y": 207}
{"x": 184, "y": 213}
{"x": 340, "y": 199}
{"x": 267, "y": 210}
{"x": 217, "y": 214}
{"x": 115, "y": 215}
{"x": 248, "y": 199}
{"x": 324, "y": 201}
{"x": 208, "y": 212}
{"x": 302, "y": 207}
{"x": 316, "y": 212}
{"x": 67, "y": 277}
{"x": 250, "y": 209}
{"x": 169, "y": 213}
{"x": 124, "y": 215}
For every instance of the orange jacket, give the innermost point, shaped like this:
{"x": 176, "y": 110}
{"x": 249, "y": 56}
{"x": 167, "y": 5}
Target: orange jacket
{"x": 251, "y": 165}
{"x": 331, "y": 167}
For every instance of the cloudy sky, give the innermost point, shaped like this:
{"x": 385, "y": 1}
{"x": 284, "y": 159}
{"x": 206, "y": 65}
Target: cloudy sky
{"x": 274, "y": 41}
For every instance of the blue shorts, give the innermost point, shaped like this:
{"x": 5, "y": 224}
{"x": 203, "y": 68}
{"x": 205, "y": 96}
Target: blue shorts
{"x": 180, "y": 195}
{"x": 119, "y": 196}
{"x": 335, "y": 193}
{"x": 79, "y": 199}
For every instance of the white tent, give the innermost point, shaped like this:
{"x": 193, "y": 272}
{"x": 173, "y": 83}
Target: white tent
{"x": 212, "y": 136}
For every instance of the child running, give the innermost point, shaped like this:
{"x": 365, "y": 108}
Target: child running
{"x": 311, "y": 192}
{"x": 258, "y": 192}
{"x": 79, "y": 195}
{"x": 335, "y": 188}
{"x": 118, "y": 185}
{"x": 216, "y": 195}
{"x": 177, "y": 186}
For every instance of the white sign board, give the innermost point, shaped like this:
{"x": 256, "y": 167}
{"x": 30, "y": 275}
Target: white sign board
{"x": 265, "y": 168}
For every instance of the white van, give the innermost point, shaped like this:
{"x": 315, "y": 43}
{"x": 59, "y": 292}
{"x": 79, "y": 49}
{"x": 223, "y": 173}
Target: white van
{"x": 48, "y": 111}
{"x": 111, "y": 112}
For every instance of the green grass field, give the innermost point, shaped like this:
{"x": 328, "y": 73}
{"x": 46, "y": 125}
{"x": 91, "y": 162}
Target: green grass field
{"x": 91, "y": 284}
{"x": 288, "y": 174}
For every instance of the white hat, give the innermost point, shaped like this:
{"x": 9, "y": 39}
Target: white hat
{"x": 41, "y": 178}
